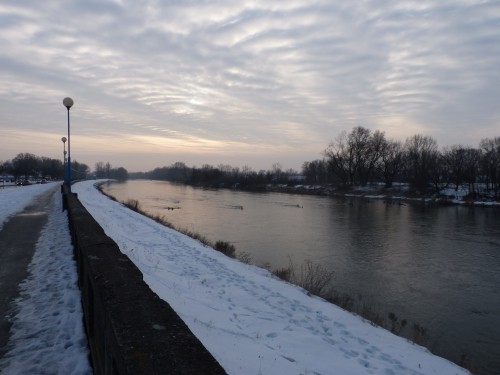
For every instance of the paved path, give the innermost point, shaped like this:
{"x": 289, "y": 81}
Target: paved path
{"x": 18, "y": 239}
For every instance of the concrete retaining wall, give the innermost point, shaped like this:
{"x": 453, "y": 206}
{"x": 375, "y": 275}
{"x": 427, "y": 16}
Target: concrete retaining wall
{"x": 130, "y": 329}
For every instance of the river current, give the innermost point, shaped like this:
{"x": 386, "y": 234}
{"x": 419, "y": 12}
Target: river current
{"x": 438, "y": 267}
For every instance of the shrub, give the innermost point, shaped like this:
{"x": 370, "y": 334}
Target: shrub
{"x": 244, "y": 257}
{"x": 133, "y": 204}
{"x": 225, "y": 248}
{"x": 284, "y": 273}
{"x": 313, "y": 277}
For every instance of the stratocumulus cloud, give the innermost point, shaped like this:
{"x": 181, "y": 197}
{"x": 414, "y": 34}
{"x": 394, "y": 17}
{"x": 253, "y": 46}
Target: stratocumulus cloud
{"x": 243, "y": 82}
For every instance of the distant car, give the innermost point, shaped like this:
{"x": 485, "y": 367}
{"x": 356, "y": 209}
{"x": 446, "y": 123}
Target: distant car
{"x": 26, "y": 183}
{"x": 43, "y": 181}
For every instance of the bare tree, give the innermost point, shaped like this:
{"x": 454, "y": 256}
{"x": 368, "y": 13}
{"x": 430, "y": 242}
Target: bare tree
{"x": 354, "y": 157}
{"x": 25, "y": 164}
{"x": 472, "y": 161}
{"x": 359, "y": 147}
{"x": 391, "y": 161}
{"x": 79, "y": 171}
{"x": 339, "y": 159}
{"x": 315, "y": 171}
{"x": 373, "y": 156}
{"x": 491, "y": 163}
{"x": 100, "y": 170}
{"x": 421, "y": 159}
{"x": 50, "y": 167}
{"x": 107, "y": 170}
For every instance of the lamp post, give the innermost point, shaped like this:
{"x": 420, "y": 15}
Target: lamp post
{"x": 64, "y": 139}
{"x": 68, "y": 103}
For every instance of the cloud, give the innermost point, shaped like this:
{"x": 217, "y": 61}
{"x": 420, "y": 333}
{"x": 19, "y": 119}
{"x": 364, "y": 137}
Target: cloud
{"x": 257, "y": 74}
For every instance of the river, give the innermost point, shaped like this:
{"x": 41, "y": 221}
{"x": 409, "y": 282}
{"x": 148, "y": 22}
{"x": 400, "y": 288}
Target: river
{"x": 435, "y": 266}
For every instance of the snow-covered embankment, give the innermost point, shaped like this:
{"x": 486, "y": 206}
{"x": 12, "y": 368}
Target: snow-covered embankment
{"x": 251, "y": 322}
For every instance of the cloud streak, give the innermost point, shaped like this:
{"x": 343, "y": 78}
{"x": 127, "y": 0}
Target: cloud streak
{"x": 261, "y": 75}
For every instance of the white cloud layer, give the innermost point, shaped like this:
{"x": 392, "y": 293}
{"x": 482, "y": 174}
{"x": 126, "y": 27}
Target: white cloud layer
{"x": 247, "y": 82}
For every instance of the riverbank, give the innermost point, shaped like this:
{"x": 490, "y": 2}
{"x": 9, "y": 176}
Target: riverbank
{"x": 314, "y": 278}
{"x": 270, "y": 332}
{"x": 397, "y": 194}
{"x": 386, "y": 256}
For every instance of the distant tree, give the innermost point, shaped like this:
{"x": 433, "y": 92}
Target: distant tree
{"x": 158, "y": 173}
{"x": 178, "y": 172}
{"x": 107, "y": 170}
{"x": 462, "y": 164}
{"x": 247, "y": 171}
{"x": 276, "y": 173}
{"x": 235, "y": 173}
{"x": 3, "y": 168}
{"x": 372, "y": 157}
{"x": 315, "y": 171}
{"x": 138, "y": 175}
{"x": 472, "y": 162}
{"x": 421, "y": 160}
{"x": 340, "y": 159}
{"x": 99, "y": 170}
{"x": 25, "y": 164}
{"x": 391, "y": 161}
{"x": 359, "y": 147}
{"x": 50, "y": 167}
{"x": 79, "y": 171}
{"x": 490, "y": 163}
{"x": 120, "y": 174}
{"x": 353, "y": 157}
{"x": 7, "y": 167}
{"x": 225, "y": 168}
{"x": 437, "y": 172}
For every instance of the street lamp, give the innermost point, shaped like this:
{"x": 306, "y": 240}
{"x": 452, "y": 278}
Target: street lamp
{"x": 68, "y": 103}
{"x": 64, "y": 139}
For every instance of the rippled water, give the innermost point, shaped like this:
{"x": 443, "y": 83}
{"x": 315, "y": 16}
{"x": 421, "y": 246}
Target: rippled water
{"x": 437, "y": 266}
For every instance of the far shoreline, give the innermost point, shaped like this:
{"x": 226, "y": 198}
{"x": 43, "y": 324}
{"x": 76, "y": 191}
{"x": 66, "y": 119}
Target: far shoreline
{"x": 398, "y": 194}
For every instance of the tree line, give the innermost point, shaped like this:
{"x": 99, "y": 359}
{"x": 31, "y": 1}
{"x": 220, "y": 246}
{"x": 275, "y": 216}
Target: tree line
{"x": 223, "y": 175}
{"x": 27, "y": 165}
{"x": 363, "y": 157}
{"x": 105, "y": 170}
{"x": 358, "y": 158}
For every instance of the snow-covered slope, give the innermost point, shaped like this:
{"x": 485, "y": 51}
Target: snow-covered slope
{"x": 251, "y": 322}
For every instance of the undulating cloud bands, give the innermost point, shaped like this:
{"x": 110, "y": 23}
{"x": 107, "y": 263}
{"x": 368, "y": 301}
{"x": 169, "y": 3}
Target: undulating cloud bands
{"x": 243, "y": 82}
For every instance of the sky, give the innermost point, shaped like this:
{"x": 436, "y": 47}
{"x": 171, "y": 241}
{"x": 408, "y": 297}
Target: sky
{"x": 253, "y": 82}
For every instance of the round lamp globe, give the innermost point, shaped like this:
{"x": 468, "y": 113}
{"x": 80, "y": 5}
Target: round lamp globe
{"x": 68, "y": 102}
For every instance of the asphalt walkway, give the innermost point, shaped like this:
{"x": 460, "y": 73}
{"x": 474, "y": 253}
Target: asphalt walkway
{"x": 18, "y": 239}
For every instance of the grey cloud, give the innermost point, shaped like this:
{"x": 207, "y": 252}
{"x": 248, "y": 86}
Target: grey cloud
{"x": 259, "y": 71}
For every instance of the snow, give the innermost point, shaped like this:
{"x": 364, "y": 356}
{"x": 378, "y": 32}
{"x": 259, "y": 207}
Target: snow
{"x": 250, "y": 321}
{"x": 14, "y": 199}
{"x": 47, "y": 334}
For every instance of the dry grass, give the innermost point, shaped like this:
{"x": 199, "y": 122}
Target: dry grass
{"x": 311, "y": 276}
